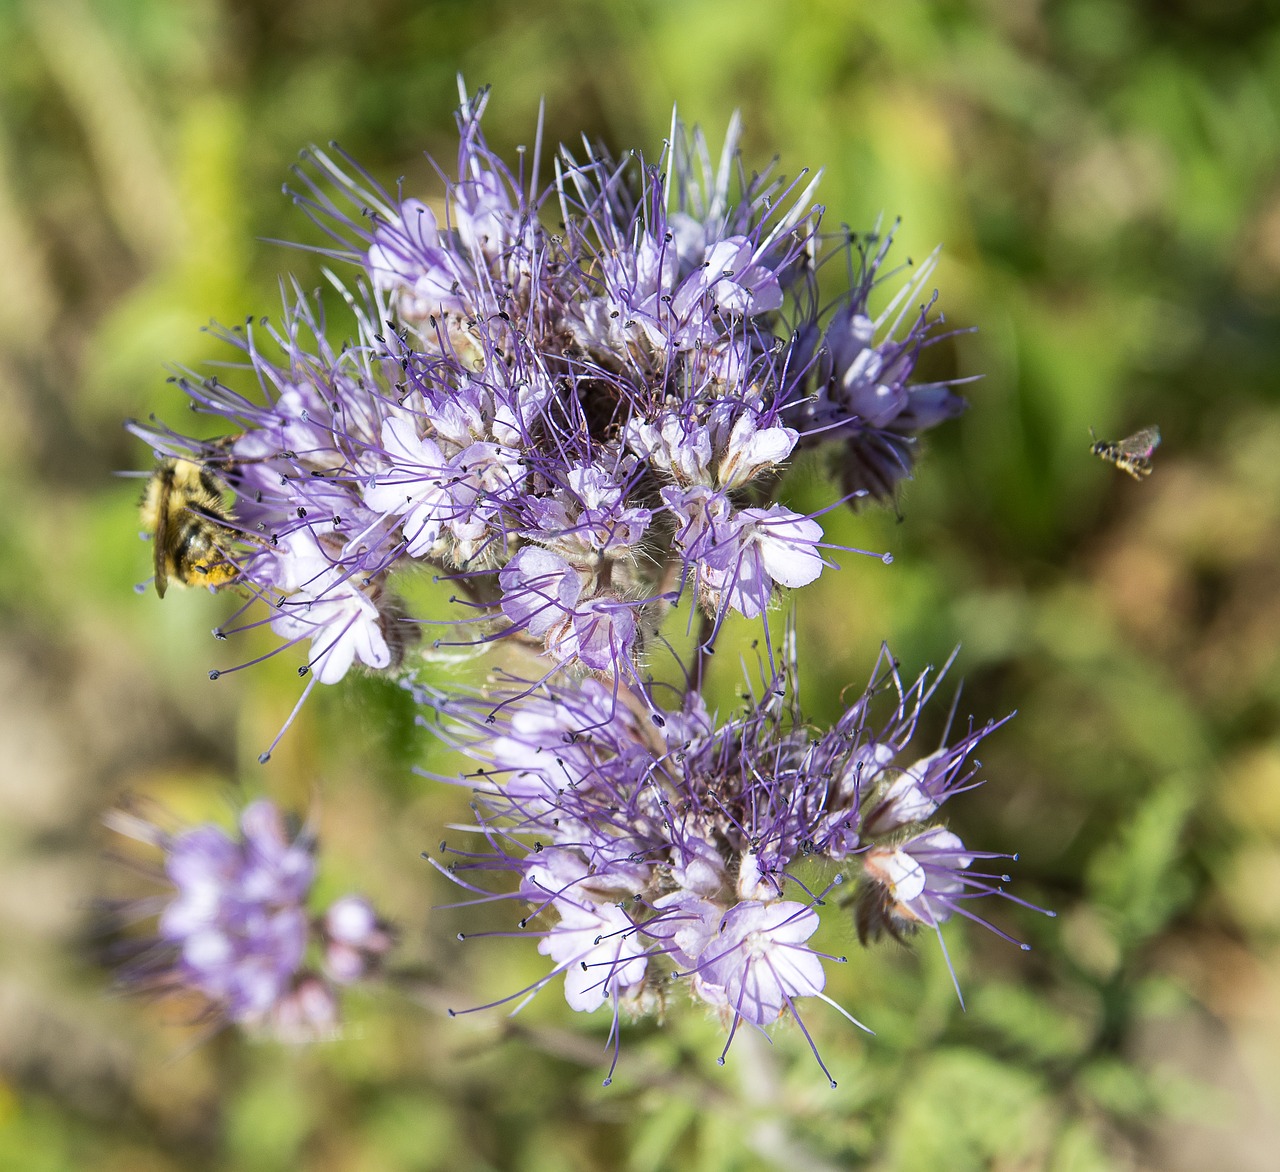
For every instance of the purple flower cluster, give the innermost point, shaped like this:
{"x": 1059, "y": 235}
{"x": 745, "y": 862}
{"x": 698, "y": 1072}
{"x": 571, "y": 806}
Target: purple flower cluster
{"x": 575, "y": 425}
{"x": 574, "y": 401}
{"x": 238, "y": 933}
{"x": 691, "y": 849}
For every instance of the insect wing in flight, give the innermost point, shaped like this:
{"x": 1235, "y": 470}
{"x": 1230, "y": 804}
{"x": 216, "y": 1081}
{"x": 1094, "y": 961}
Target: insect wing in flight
{"x": 1140, "y": 445}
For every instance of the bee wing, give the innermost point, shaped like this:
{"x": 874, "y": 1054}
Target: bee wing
{"x": 160, "y": 538}
{"x": 1141, "y": 444}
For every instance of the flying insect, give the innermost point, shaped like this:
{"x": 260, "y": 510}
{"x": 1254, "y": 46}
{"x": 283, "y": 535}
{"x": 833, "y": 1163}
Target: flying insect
{"x": 1131, "y": 454}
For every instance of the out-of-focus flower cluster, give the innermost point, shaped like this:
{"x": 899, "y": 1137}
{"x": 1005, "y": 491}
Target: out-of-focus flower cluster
{"x": 691, "y": 849}
{"x": 238, "y": 933}
{"x": 574, "y": 399}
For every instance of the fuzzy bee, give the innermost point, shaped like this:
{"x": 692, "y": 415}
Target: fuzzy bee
{"x": 875, "y": 915}
{"x": 184, "y": 510}
{"x": 1131, "y": 454}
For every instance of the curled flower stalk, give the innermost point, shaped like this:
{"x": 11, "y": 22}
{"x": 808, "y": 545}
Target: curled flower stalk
{"x": 703, "y": 851}
{"x": 237, "y": 931}
{"x": 572, "y": 398}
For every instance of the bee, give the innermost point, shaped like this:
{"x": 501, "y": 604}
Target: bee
{"x": 1132, "y": 454}
{"x": 875, "y": 915}
{"x": 184, "y": 510}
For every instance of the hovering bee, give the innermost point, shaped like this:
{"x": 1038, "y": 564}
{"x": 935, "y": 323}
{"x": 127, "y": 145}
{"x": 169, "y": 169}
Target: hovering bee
{"x": 1132, "y": 454}
{"x": 184, "y": 510}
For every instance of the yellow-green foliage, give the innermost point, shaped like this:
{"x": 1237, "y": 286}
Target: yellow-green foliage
{"x": 1101, "y": 174}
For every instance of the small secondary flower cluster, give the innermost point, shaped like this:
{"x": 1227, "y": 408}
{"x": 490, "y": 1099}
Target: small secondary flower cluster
{"x": 238, "y": 932}
{"x": 574, "y": 426}
{"x": 690, "y": 849}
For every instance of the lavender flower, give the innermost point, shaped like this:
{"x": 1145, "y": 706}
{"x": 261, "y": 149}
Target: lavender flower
{"x": 237, "y": 931}
{"x": 863, "y": 395}
{"x": 575, "y": 426}
{"x": 355, "y": 939}
{"x": 646, "y": 853}
{"x": 579, "y": 427}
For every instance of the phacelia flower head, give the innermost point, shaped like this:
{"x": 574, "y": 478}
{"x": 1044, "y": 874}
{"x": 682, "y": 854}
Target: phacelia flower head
{"x": 572, "y": 391}
{"x": 238, "y": 931}
{"x": 685, "y": 851}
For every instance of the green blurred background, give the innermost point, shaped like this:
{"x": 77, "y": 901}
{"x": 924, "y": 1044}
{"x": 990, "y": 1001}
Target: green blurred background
{"x": 1103, "y": 177}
